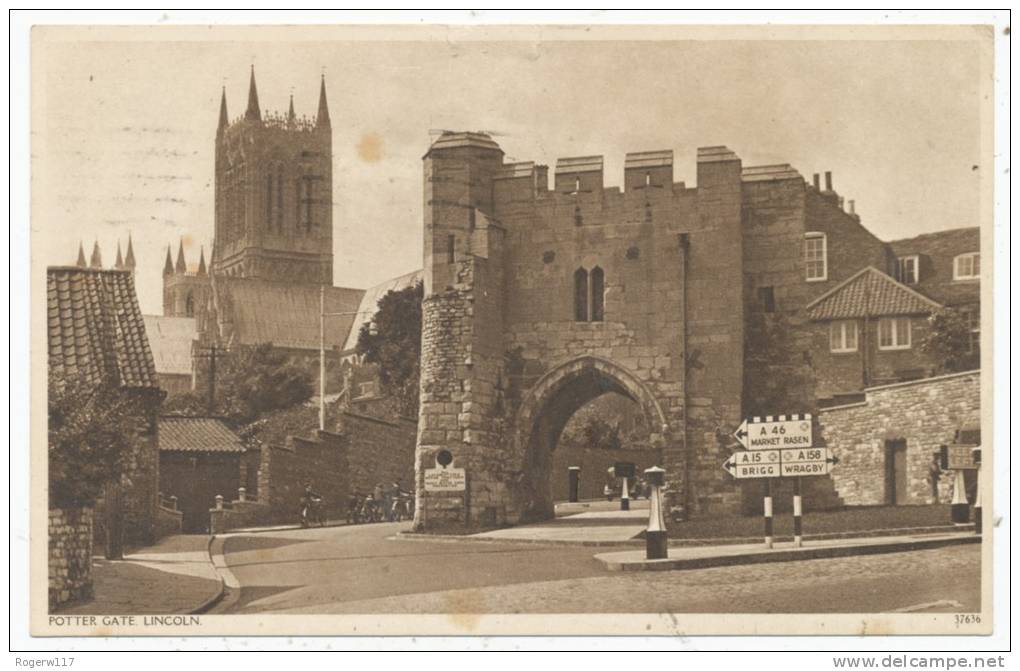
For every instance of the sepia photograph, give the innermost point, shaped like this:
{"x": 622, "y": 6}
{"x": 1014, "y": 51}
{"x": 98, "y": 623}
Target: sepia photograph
{"x": 487, "y": 329}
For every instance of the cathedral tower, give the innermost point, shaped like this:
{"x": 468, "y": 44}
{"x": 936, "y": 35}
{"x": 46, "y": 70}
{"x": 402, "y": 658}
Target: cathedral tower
{"x": 274, "y": 191}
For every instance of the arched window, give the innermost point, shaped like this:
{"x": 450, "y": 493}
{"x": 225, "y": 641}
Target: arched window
{"x": 189, "y": 305}
{"x": 279, "y": 199}
{"x": 581, "y": 295}
{"x": 269, "y": 201}
{"x": 598, "y": 286}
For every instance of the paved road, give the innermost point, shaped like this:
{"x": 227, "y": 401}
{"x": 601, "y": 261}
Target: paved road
{"x": 362, "y": 570}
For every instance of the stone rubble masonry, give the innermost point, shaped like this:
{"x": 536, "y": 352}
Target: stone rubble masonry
{"x": 505, "y": 362}
{"x": 926, "y": 413}
{"x": 362, "y": 452}
{"x": 70, "y": 555}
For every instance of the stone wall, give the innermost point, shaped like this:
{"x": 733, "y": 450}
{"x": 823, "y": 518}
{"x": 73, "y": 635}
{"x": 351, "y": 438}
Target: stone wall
{"x": 925, "y": 413}
{"x": 378, "y": 451}
{"x": 284, "y": 470}
{"x": 70, "y": 555}
{"x": 168, "y": 522}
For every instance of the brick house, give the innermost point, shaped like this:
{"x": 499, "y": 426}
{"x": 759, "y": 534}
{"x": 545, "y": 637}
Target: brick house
{"x": 866, "y": 332}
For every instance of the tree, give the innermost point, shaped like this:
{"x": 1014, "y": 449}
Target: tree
{"x": 251, "y": 382}
{"x": 392, "y": 340}
{"x": 948, "y": 341}
{"x": 90, "y": 434}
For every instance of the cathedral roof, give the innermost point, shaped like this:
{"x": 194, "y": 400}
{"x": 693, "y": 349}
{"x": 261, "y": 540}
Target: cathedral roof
{"x": 170, "y": 339}
{"x": 95, "y": 328}
{"x": 370, "y": 303}
{"x": 869, "y": 293}
{"x": 283, "y": 313}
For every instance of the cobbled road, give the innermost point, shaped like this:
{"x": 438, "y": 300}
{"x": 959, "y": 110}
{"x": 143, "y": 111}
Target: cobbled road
{"x": 362, "y": 569}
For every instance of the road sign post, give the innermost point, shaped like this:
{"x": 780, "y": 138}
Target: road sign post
{"x": 977, "y": 495}
{"x": 656, "y": 545}
{"x": 624, "y": 470}
{"x": 798, "y": 533}
{"x": 768, "y": 512}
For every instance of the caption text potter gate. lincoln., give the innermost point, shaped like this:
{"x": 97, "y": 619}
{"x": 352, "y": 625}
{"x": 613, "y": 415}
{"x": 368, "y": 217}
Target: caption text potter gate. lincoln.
{"x": 125, "y": 620}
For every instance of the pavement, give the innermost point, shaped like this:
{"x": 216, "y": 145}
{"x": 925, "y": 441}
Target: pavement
{"x": 686, "y": 558}
{"x": 174, "y": 576}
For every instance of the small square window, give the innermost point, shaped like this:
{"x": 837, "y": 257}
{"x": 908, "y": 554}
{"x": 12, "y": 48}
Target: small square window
{"x": 843, "y": 336}
{"x": 906, "y": 267}
{"x": 767, "y": 299}
{"x": 894, "y": 333}
{"x": 967, "y": 266}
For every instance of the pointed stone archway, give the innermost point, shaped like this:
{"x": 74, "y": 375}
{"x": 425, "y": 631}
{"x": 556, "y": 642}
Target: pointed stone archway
{"x": 548, "y": 406}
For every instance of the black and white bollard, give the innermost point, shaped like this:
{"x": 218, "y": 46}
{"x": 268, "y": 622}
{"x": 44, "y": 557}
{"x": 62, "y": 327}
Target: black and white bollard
{"x": 977, "y": 493}
{"x": 768, "y": 513}
{"x": 625, "y": 496}
{"x": 574, "y": 482}
{"x": 959, "y": 509}
{"x": 798, "y": 511}
{"x": 656, "y": 545}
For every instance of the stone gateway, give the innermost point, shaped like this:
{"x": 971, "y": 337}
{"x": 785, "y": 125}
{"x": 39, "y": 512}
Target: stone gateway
{"x": 543, "y": 294}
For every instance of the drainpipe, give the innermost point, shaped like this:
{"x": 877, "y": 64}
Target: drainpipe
{"x": 685, "y": 245}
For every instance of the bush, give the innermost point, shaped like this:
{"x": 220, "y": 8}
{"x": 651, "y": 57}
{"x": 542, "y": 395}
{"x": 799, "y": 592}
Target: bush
{"x": 91, "y": 431}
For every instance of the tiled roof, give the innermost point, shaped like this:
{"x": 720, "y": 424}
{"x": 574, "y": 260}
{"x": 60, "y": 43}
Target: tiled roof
{"x": 197, "y": 434}
{"x": 170, "y": 339}
{"x": 282, "y": 313}
{"x": 95, "y": 328}
{"x": 370, "y": 303}
{"x": 869, "y": 293}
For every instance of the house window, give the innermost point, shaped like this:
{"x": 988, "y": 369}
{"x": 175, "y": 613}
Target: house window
{"x": 815, "y": 262}
{"x": 906, "y": 269}
{"x": 451, "y": 248}
{"x": 843, "y": 336}
{"x": 189, "y": 305}
{"x": 894, "y": 333}
{"x": 598, "y": 288}
{"x": 581, "y": 295}
{"x": 973, "y": 330}
{"x": 767, "y": 299}
{"x": 967, "y": 266}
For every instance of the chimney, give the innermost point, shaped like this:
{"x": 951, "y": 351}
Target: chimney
{"x": 816, "y": 178}
{"x": 828, "y": 180}
{"x": 852, "y": 210}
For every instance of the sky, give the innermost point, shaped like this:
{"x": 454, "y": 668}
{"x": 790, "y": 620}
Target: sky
{"x": 123, "y": 129}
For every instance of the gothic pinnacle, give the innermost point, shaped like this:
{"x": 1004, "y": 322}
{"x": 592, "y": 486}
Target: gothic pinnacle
{"x": 253, "y": 112}
{"x": 322, "y": 118}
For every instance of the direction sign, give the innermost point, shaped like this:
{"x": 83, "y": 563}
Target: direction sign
{"x": 799, "y": 468}
{"x": 774, "y": 432}
{"x": 780, "y": 463}
{"x": 757, "y": 464}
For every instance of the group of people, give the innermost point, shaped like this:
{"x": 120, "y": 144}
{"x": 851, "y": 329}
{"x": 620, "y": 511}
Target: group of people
{"x": 390, "y": 503}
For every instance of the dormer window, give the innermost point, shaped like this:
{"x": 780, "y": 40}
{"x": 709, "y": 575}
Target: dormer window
{"x": 907, "y": 269}
{"x": 967, "y": 266}
{"x": 816, "y": 267}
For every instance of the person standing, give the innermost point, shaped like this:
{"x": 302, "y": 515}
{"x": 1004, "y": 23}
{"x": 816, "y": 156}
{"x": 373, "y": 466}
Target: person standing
{"x": 934, "y": 474}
